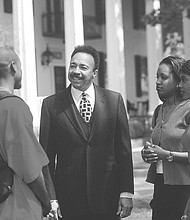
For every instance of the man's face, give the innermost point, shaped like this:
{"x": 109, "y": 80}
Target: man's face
{"x": 81, "y": 71}
{"x": 18, "y": 76}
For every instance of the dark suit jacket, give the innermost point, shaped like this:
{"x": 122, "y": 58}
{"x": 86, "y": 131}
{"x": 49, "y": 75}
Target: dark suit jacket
{"x": 90, "y": 172}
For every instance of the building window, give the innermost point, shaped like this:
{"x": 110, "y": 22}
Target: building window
{"x": 141, "y": 76}
{"x": 8, "y": 7}
{"x": 60, "y": 78}
{"x": 49, "y": 11}
{"x": 138, "y": 13}
{"x": 53, "y": 19}
{"x": 100, "y": 11}
{"x": 58, "y": 17}
{"x": 102, "y": 70}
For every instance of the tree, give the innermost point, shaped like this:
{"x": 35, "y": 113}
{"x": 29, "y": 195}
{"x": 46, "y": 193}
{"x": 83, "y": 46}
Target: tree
{"x": 169, "y": 15}
{"x": 169, "y": 12}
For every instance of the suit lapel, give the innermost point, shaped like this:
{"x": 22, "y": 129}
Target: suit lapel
{"x": 98, "y": 110}
{"x": 69, "y": 107}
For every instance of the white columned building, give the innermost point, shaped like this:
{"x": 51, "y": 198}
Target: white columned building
{"x": 115, "y": 47}
{"x": 24, "y": 45}
{"x": 74, "y": 34}
{"x": 154, "y": 54}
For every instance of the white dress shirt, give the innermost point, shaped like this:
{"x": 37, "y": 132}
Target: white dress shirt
{"x": 77, "y": 96}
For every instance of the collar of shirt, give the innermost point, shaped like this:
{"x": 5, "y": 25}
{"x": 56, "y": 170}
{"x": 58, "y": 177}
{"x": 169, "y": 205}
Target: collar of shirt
{"x": 5, "y": 89}
{"x": 77, "y": 94}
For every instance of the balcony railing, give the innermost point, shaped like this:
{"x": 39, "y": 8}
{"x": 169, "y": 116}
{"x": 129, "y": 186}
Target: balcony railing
{"x": 53, "y": 26}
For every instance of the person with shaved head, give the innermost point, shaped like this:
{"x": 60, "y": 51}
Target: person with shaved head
{"x": 10, "y": 70}
{"x": 19, "y": 148}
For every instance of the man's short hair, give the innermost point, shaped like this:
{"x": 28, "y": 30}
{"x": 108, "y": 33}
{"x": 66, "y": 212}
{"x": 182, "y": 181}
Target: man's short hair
{"x": 7, "y": 56}
{"x": 89, "y": 50}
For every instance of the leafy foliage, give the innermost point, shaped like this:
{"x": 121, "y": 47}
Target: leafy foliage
{"x": 170, "y": 16}
{"x": 169, "y": 13}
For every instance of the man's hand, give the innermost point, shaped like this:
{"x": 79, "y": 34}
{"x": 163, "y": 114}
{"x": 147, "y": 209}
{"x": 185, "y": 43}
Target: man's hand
{"x": 46, "y": 209}
{"x": 125, "y": 207}
{"x": 55, "y": 212}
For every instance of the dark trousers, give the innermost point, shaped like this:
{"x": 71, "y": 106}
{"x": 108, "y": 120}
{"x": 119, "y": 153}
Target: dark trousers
{"x": 168, "y": 201}
{"x": 93, "y": 217}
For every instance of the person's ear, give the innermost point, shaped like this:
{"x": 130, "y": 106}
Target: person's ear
{"x": 13, "y": 68}
{"x": 95, "y": 73}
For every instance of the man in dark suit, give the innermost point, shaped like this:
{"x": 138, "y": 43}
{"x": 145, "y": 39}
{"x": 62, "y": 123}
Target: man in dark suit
{"x": 90, "y": 157}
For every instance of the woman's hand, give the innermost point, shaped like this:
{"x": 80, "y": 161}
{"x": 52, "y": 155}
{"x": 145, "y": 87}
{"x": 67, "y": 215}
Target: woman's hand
{"x": 162, "y": 154}
{"x": 148, "y": 154}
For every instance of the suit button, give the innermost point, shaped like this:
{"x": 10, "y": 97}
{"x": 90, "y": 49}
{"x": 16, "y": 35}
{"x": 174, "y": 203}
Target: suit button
{"x": 88, "y": 146}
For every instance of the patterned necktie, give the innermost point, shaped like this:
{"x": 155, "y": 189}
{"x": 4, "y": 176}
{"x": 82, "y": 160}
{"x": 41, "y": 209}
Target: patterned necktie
{"x": 85, "y": 108}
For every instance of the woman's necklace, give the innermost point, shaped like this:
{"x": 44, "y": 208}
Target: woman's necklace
{"x": 167, "y": 110}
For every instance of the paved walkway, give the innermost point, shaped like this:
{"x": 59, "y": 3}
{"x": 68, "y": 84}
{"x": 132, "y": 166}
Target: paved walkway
{"x": 143, "y": 190}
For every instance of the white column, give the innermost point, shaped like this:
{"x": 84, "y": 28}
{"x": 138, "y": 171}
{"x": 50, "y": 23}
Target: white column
{"x": 23, "y": 30}
{"x": 186, "y": 34}
{"x": 74, "y": 34}
{"x": 115, "y": 47}
{"x": 154, "y": 54}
